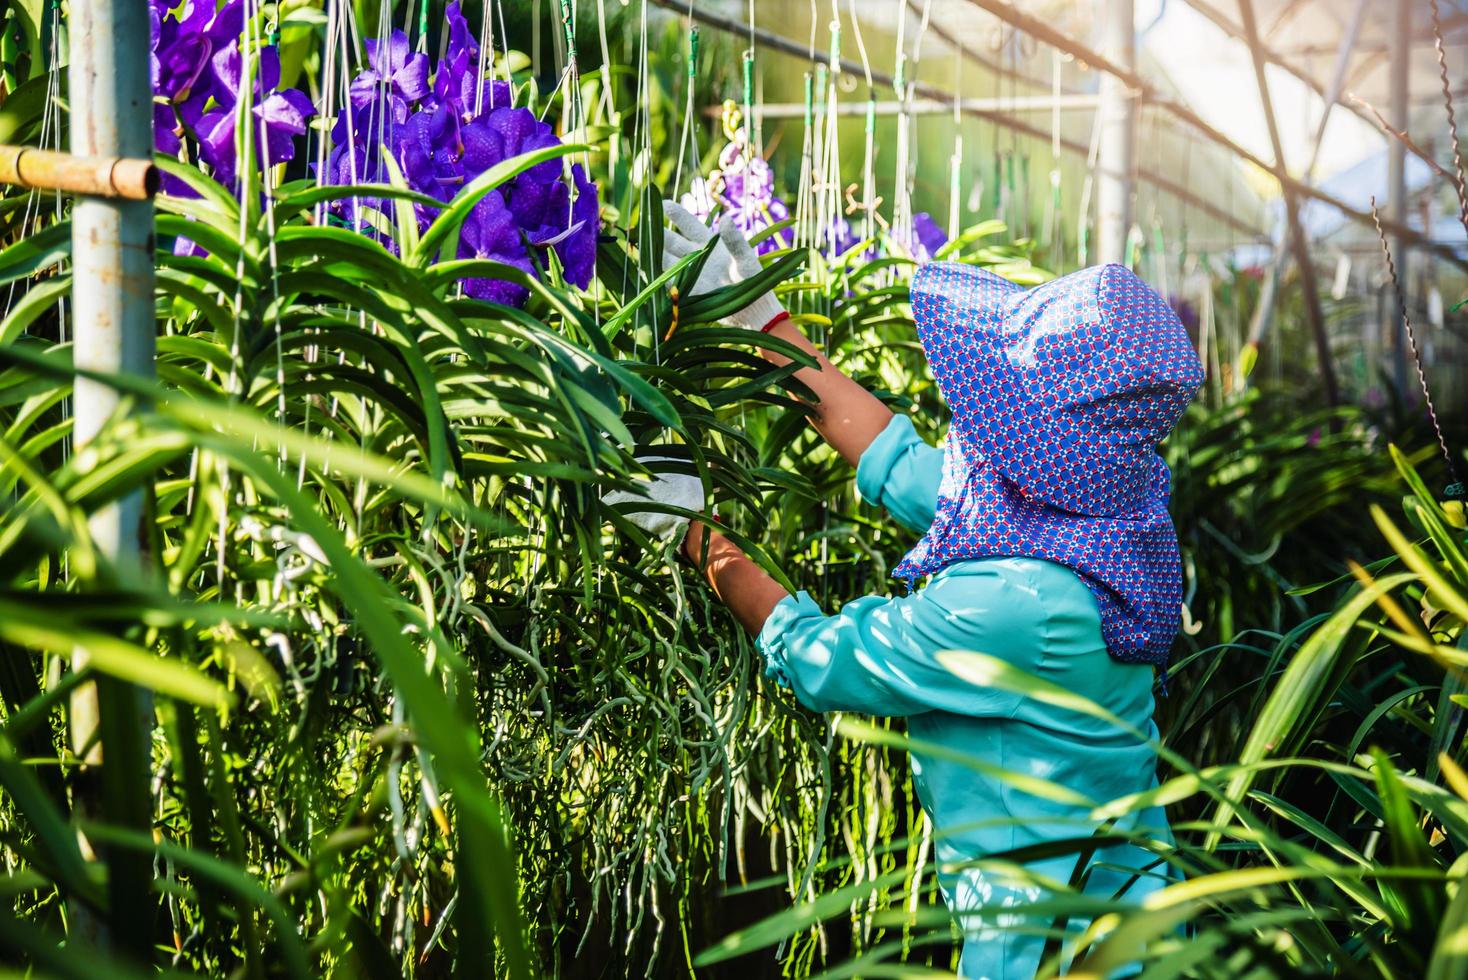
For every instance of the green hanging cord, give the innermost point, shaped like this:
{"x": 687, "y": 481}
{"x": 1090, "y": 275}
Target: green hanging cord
{"x": 567, "y": 28}
{"x": 1134, "y": 243}
{"x": 1161, "y": 246}
{"x": 692, "y": 54}
{"x": 749, "y": 127}
{"x": 998, "y": 178}
{"x": 1056, "y": 231}
{"x": 423, "y": 23}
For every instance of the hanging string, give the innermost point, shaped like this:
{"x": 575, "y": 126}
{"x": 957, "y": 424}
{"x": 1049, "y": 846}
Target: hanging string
{"x": 689, "y": 136}
{"x": 869, "y": 199}
{"x": 1088, "y": 186}
{"x": 955, "y": 160}
{"x": 1455, "y": 488}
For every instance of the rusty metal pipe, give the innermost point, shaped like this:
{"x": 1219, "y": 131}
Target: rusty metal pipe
{"x": 124, "y": 177}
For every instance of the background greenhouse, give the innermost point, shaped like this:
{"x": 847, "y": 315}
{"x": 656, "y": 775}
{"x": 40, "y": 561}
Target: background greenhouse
{"x": 326, "y": 329}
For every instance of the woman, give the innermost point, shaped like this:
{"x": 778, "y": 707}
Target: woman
{"x": 1046, "y": 544}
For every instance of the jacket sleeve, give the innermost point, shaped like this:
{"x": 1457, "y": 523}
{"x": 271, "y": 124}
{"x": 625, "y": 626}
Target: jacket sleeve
{"x": 901, "y": 472}
{"x": 878, "y": 655}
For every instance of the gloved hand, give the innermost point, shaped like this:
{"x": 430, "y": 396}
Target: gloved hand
{"x": 733, "y": 260}
{"x": 675, "y": 489}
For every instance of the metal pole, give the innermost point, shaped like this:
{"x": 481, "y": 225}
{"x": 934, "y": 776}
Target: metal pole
{"x": 112, "y": 304}
{"x": 1118, "y": 118}
{"x": 1397, "y": 180}
{"x": 1264, "y": 312}
{"x": 925, "y": 107}
{"x": 1298, "y": 242}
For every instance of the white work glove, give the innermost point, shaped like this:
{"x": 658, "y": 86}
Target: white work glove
{"x": 674, "y": 489}
{"x": 733, "y": 260}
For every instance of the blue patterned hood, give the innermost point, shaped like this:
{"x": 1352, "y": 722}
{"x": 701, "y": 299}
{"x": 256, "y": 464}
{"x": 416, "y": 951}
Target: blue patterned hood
{"x": 1060, "y": 395}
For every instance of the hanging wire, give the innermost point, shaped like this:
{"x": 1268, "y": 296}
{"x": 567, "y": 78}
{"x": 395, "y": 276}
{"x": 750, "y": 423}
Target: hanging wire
{"x": 1455, "y": 488}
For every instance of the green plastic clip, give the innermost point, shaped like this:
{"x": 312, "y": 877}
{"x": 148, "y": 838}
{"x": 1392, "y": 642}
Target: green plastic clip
{"x": 749, "y": 79}
{"x": 692, "y": 52}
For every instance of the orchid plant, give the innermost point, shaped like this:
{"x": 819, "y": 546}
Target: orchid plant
{"x": 441, "y": 135}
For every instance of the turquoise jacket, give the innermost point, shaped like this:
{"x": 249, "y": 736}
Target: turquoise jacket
{"x": 877, "y": 656}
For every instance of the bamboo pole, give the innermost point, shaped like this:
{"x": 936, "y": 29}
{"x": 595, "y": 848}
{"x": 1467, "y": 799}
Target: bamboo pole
{"x": 112, "y": 308}
{"x": 27, "y": 166}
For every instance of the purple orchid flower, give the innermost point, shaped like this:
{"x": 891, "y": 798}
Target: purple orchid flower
{"x": 928, "y": 237}
{"x": 395, "y": 70}
{"x": 282, "y": 114}
{"x": 461, "y": 39}
{"x": 577, "y": 251}
{"x": 490, "y": 232}
{"x": 445, "y": 136}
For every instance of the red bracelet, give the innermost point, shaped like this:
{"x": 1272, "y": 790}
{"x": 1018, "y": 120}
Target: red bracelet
{"x": 775, "y": 321}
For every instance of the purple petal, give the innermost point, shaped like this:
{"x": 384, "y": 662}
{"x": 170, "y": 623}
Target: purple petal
{"x": 539, "y": 207}
{"x": 216, "y": 143}
{"x": 490, "y": 233}
{"x": 179, "y": 66}
{"x": 497, "y": 95}
{"x": 399, "y": 51}
{"x": 514, "y": 127}
{"x": 165, "y": 139}
{"x": 267, "y": 69}
{"x": 577, "y": 251}
{"x": 411, "y": 80}
{"x": 190, "y": 110}
{"x": 227, "y": 23}
{"x": 199, "y": 13}
{"x": 461, "y": 40}
{"x": 483, "y": 145}
{"x": 365, "y": 88}
{"x": 227, "y": 70}
{"x": 287, "y": 111}
{"x": 928, "y": 234}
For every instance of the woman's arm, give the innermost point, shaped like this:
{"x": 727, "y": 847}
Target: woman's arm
{"x": 748, "y": 590}
{"x": 845, "y": 414}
